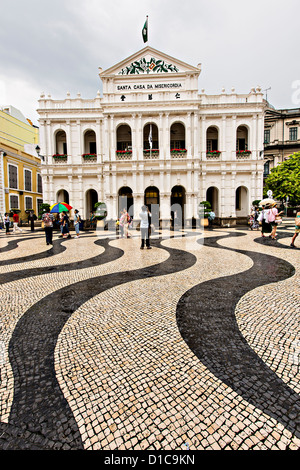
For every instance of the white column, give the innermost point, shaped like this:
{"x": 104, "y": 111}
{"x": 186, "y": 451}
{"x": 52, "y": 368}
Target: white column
{"x": 196, "y": 128}
{"x": 161, "y": 138}
{"x": 166, "y": 137}
{"x": 253, "y": 131}
{"x": 222, "y": 198}
{"x": 49, "y": 143}
{"x": 232, "y": 205}
{"x": 80, "y": 192}
{"x": 69, "y": 143}
{"x": 139, "y": 139}
{"x": 98, "y": 141}
{"x": 203, "y": 138}
{"x": 106, "y": 155}
{"x": 81, "y": 149}
{"x": 52, "y": 196}
{"x": 223, "y": 139}
{"x": 189, "y": 135}
{"x": 234, "y": 133}
{"x": 112, "y": 139}
{"x": 2, "y": 188}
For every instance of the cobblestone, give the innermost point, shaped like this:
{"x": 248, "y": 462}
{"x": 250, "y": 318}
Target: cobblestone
{"x": 121, "y": 365}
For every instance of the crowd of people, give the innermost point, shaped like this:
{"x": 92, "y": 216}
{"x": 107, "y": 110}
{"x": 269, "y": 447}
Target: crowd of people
{"x": 268, "y": 219}
{"x": 124, "y": 223}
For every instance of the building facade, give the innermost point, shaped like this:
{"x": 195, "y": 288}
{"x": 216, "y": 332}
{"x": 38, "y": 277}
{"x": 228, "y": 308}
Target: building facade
{"x": 20, "y": 174}
{"x": 153, "y": 138}
{"x": 281, "y": 136}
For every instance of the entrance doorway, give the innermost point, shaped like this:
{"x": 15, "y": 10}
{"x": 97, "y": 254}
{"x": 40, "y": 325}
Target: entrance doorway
{"x": 212, "y": 196}
{"x": 126, "y": 200}
{"x": 91, "y": 198}
{"x": 151, "y": 200}
{"x": 62, "y": 196}
{"x": 177, "y": 206}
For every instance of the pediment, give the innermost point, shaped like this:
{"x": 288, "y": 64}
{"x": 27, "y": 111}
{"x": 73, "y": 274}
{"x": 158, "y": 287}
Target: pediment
{"x": 149, "y": 61}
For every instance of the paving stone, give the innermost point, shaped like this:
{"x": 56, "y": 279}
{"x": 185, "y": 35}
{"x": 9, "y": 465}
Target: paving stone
{"x": 126, "y": 376}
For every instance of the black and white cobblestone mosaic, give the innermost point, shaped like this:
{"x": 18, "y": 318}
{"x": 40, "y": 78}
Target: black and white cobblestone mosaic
{"x": 194, "y": 343}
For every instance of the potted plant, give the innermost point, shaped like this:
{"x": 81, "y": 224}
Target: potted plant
{"x": 89, "y": 156}
{"x": 100, "y": 213}
{"x": 204, "y": 210}
{"x": 59, "y": 156}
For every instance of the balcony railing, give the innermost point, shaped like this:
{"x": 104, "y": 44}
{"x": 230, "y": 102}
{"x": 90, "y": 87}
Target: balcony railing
{"x": 89, "y": 157}
{"x": 123, "y": 154}
{"x": 213, "y": 154}
{"x": 60, "y": 158}
{"x": 243, "y": 154}
{"x": 149, "y": 154}
{"x": 178, "y": 153}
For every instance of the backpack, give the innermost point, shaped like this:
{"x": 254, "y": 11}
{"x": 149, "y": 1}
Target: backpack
{"x": 47, "y": 220}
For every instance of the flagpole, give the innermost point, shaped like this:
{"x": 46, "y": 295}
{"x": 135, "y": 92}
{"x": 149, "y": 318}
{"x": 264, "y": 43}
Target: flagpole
{"x": 150, "y": 141}
{"x": 145, "y": 30}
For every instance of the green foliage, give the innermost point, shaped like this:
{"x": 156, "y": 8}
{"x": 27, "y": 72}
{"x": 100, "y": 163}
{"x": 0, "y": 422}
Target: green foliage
{"x": 284, "y": 180}
{"x": 256, "y": 202}
{"x": 43, "y": 208}
{"x": 204, "y": 209}
{"x": 101, "y": 211}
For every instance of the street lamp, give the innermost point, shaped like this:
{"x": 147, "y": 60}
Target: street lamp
{"x": 37, "y": 148}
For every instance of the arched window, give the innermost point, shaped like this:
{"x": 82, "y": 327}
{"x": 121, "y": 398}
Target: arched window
{"x": 90, "y": 146}
{"x": 150, "y": 133}
{"x": 124, "y": 141}
{"x": 61, "y": 143}
{"x": 212, "y": 138}
{"x": 177, "y": 137}
{"x": 242, "y": 139}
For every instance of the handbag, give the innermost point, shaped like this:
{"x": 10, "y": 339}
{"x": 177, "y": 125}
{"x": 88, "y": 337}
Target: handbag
{"x": 297, "y": 221}
{"x": 278, "y": 220}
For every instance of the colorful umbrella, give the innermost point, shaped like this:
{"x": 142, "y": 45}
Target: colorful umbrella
{"x": 60, "y": 207}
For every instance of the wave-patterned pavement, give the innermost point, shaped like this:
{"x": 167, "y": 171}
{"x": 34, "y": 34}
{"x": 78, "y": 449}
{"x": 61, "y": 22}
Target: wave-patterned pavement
{"x": 105, "y": 346}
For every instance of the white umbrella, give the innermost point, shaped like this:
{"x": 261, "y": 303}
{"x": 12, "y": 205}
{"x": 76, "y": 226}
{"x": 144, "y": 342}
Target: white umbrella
{"x": 266, "y": 201}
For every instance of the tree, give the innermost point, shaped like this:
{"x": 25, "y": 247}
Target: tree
{"x": 284, "y": 180}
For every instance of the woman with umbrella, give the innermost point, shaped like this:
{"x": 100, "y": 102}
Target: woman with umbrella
{"x": 263, "y": 218}
{"x": 63, "y": 208}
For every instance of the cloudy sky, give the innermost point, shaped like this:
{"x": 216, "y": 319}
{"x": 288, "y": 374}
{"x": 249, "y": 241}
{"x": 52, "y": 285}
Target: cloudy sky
{"x": 57, "y": 46}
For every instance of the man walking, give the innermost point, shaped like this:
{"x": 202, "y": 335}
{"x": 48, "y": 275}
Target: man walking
{"x": 15, "y": 223}
{"x": 48, "y": 225}
{"x": 77, "y": 220}
{"x": 145, "y": 227}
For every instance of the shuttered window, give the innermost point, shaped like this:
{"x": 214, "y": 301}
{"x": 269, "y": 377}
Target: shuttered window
{"x": 13, "y": 176}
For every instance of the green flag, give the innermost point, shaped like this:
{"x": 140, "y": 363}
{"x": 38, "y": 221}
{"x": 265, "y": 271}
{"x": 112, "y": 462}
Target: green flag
{"x": 145, "y": 31}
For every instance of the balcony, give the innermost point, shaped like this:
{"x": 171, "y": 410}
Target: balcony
{"x": 151, "y": 154}
{"x": 89, "y": 158}
{"x": 123, "y": 154}
{"x": 213, "y": 155}
{"x": 178, "y": 153}
{"x": 243, "y": 154}
{"x": 60, "y": 158}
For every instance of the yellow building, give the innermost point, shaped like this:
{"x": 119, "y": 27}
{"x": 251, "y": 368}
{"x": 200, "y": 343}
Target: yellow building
{"x": 20, "y": 175}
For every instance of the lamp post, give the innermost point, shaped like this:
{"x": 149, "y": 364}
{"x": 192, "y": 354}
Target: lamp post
{"x": 37, "y": 148}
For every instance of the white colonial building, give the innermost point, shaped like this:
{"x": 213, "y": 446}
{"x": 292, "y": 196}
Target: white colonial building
{"x": 153, "y": 138}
